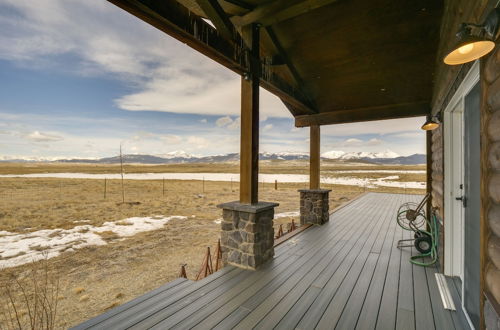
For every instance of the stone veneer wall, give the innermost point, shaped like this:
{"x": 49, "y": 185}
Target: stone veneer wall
{"x": 247, "y": 237}
{"x": 314, "y": 206}
{"x": 490, "y": 163}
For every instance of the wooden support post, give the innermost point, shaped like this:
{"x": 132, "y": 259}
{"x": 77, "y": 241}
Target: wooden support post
{"x": 314, "y": 157}
{"x": 249, "y": 147}
{"x": 428, "y": 138}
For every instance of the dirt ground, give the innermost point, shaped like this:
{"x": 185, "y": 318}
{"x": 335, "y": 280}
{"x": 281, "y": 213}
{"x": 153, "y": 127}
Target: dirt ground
{"x": 96, "y": 278}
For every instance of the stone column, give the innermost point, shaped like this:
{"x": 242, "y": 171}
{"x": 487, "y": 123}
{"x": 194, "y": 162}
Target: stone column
{"x": 314, "y": 206}
{"x": 247, "y": 237}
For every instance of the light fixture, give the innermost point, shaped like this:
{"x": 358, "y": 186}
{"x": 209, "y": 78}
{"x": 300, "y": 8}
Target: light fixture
{"x": 431, "y": 123}
{"x": 470, "y": 47}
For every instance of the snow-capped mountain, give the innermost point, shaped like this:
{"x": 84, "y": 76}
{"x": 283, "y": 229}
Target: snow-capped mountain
{"x": 178, "y": 157}
{"x": 368, "y": 155}
{"x": 333, "y": 154}
{"x": 177, "y": 154}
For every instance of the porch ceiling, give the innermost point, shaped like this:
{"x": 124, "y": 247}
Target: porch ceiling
{"x": 333, "y": 60}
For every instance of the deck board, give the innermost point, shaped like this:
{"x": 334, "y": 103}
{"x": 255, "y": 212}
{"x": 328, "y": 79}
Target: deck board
{"x": 346, "y": 274}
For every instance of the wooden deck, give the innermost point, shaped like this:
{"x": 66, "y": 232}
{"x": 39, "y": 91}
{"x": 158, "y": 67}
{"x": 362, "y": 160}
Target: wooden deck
{"x": 347, "y": 274}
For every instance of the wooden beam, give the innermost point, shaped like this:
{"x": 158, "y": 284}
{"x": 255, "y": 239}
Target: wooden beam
{"x": 428, "y": 143}
{"x": 262, "y": 11}
{"x": 241, "y": 4}
{"x": 218, "y": 17}
{"x": 177, "y": 21}
{"x": 249, "y": 140}
{"x": 391, "y": 111}
{"x": 314, "y": 157}
{"x": 277, "y": 11}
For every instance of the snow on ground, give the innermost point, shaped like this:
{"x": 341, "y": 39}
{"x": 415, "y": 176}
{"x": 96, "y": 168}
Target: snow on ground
{"x": 17, "y": 249}
{"x": 269, "y": 178}
{"x": 378, "y": 171}
{"x": 287, "y": 214}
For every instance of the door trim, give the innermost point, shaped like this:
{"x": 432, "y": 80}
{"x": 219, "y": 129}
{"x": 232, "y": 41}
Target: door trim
{"x": 451, "y": 259}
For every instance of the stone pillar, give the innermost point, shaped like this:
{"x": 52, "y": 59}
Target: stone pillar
{"x": 247, "y": 237}
{"x": 314, "y": 206}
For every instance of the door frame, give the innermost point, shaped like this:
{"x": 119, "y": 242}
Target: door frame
{"x": 454, "y": 261}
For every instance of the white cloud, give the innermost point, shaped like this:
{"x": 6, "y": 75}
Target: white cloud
{"x": 223, "y": 121}
{"x": 108, "y": 41}
{"x": 268, "y": 127}
{"x": 203, "y": 121}
{"x": 381, "y": 127}
{"x": 198, "y": 142}
{"x": 38, "y": 136}
{"x": 171, "y": 139}
{"x": 236, "y": 124}
{"x": 355, "y": 142}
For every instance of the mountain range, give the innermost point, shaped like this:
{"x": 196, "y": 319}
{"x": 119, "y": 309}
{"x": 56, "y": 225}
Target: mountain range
{"x": 179, "y": 157}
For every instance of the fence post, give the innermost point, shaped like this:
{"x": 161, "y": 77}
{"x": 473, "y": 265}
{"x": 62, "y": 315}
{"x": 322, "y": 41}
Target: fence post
{"x": 275, "y": 184}
{"x": 104, "y": 188}
{"x": 163, "y": 187}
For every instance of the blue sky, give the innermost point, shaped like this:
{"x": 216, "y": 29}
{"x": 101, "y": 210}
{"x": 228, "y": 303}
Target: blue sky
{"x": 77, "y": 78}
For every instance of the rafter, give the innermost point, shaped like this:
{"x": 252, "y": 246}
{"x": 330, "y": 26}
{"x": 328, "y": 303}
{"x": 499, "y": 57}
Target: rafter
{"x": 177, "y": 21}
{"x": 279, "y": 10}
{"x": 218, "y": 17}
{"x": 391, "y": 111}
{"x": 241, "y": 4}
{"x": 284, "y": 56}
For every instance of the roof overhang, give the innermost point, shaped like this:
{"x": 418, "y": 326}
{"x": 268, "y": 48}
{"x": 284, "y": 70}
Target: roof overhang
{"x": 329, "y": 61}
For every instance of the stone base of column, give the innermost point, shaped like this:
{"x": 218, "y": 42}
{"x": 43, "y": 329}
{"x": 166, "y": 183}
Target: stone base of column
{"x": 314, "y": 206}
{"x": 247, "y": 237}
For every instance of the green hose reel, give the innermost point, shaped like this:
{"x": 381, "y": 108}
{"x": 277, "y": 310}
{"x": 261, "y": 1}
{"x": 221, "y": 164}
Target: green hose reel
{"x": 411, "y": 217}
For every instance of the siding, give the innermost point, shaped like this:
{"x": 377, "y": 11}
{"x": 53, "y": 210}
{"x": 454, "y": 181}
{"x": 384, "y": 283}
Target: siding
{"x": 491, "y": 172}
{"x": 438, "y": 184}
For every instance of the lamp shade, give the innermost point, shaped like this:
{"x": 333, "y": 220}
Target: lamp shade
{"x": 469, "y": 48}
{"x": 430, "y": 124}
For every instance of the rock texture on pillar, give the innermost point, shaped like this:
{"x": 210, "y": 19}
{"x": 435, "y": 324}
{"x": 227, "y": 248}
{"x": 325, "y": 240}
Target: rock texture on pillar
{"x": 247, "y": 237}
{"x": 314, "y": 206}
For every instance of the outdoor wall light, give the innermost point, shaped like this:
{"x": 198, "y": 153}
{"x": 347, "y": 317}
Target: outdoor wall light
{"x": 470, "y": 47}
{"x": 430, "y": 124}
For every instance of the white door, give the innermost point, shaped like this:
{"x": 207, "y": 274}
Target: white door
{"x": 455, "y": 217}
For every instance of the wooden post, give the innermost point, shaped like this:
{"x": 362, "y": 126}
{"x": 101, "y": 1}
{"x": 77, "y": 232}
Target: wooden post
{"x": 105, "y": 188}
{"x": 163, "y": 187}
{"x": 121, "y": 172}
{"x": 314, "y": 150}
{"x": 249, "y": 141}
{"x": 275, "y": 184}
{"x": 428, "y": 138}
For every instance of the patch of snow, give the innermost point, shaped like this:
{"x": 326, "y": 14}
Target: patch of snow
{"x": 378, "y": 171}
{"x": 226, "y": 177}
{"x": 287, "y": 214}
{"x": 18, "y": 249}
{"x": 218, "y": 221}
{"x": 369, "y": 155}
{"x": 333, "y": 154}
{"x": 177, "y": 154}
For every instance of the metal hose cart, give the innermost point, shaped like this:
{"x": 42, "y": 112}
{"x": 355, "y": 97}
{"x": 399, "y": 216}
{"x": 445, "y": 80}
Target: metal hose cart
{"x": 411, "y": 217}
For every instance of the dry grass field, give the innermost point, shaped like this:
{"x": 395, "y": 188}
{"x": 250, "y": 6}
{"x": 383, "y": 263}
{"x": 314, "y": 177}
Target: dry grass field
{"x": 93, "y": 279}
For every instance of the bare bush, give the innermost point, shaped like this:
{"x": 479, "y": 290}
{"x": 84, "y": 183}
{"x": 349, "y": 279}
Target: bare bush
{"x": 29, "y": 300}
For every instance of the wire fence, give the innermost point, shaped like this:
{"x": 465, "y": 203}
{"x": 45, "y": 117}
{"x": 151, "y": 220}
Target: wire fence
{"x": 94, "y": 190}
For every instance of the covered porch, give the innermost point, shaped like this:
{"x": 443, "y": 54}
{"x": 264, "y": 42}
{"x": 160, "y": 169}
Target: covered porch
{"x": 346, "y": 274}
